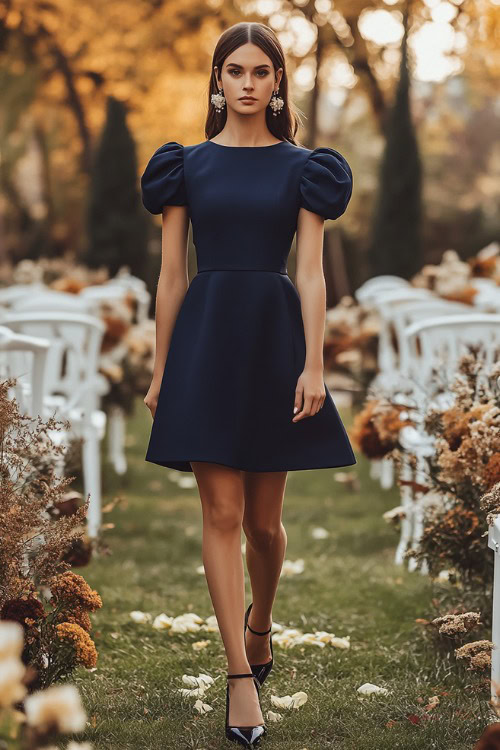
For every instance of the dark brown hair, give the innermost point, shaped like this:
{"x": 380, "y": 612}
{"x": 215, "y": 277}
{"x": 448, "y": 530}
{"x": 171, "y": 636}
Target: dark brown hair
{"x": 286, "y": 123}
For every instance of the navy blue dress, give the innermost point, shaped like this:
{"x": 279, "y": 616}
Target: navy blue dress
{"x": 238, "y": 344}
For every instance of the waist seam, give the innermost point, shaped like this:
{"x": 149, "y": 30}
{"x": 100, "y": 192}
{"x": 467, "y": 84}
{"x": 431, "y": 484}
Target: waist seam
{"x": 265, "y": 270}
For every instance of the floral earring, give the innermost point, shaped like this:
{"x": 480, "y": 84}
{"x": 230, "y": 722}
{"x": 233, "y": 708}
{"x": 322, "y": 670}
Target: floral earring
{"x": 276, "y": 103}
{"x": 219, "y": 101}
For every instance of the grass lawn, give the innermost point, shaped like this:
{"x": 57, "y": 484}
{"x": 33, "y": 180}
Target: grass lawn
{"x": 350, "y": 587}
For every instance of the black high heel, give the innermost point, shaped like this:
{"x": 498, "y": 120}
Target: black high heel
{"x": 260, "y": 671}
{"x": 246, "y": 736}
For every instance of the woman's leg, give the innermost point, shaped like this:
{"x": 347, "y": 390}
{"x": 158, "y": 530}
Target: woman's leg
{"x": 265, "y": 551}
{"x": 222, "y": 501}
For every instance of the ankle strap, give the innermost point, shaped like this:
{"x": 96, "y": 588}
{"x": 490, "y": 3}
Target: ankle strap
{"x": 259, "y": 632}
{"x": 245, "y": 674}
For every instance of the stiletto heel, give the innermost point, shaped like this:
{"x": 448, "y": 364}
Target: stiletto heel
{"x": 247, "y": 736}
{"x": 260, "y": 671}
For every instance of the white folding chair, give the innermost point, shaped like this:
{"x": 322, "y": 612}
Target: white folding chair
{"x": 442, "y": 339}
{"x": 73, "y": 386}
{"x": 24, "y": 358}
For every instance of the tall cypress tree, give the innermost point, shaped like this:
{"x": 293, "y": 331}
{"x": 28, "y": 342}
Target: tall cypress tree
{"x": 117, "y": 223}
{"x": 396, "y": 234}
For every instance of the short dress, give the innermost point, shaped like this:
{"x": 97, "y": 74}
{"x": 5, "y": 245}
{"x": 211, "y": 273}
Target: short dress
{"x": 238, "y": 345}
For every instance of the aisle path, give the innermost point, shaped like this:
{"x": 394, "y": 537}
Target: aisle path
{"x": 349, "y": 587}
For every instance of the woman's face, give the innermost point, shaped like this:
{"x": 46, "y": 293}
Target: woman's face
{"x": 248, "y": 72}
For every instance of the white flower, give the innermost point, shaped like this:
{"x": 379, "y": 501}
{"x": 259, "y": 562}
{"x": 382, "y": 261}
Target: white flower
{"x": 319, "y": 533}
{"x": 140, "y": 617}
{"x": 12, "y": 671}
{"x": 198, "y": 645}
{"x": 195, "y": 692}
{"x": 200, "y": 569}
{"x": 289, "y": 701}
{"x": 79, "y": 746}
{"x": 162, "y": 622}
{"x": 368, "y": 689}
{"x": 187, "y": 482}
{"x": 211, "y": 624}
{"x": 189, "y": 622}
{"x": 203, "y": 708}
{"x": 273, "y": 716}
{"x": 291, "y": 568}
{"x": 58, "y": 706}
{"x": 203, "y": 680}
{"x": 11, "y": 639}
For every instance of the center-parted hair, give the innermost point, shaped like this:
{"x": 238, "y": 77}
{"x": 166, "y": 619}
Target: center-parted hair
{"x": 286, "y": 123}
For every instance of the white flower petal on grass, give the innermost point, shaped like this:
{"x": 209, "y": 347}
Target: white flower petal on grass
{"x": 162, "y": 622}
{"x": 12, "y": 690}
{"x": 273, "y": 716}
{"x": 79, "y": 746}
{"x": 11, "y": 639}
{"x": 289, "y": 701}
{"x": 199, "y": 645}
{"x": 369, "y": 688}
{"x": 206, "y": 679}
{"x": 182, "y": 624}
{"x": 186, "y": 482}
{"x": 344, "y": 643}
{"x": 202, "y": 681}
{"x": 58, "y": 706}
{"x": 193, "y": 693}
{"x": 292, "y": 567}
{"x": 140, "y": 617}
{"x": 200, "y": 569}
{"x": 299, "y": 699}
{"x": 319, "y": 533}
{"x": 203, "y": 708}
{"x": 191, "y": 616}
{"x": 211, "y": 624}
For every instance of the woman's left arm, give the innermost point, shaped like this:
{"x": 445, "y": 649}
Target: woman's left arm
{"x": 310, "y": 282}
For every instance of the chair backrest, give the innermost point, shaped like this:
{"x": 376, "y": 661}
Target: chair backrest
{"x": 386, "y": 304}
{"x": 51, "y": 301}
{"x": 442, "y": 340}
{"x": 25, "y": 358}
{"x": 120, "y": 289}
{"x": 372, "y": 287}
{"x": 9, "y": 294}
{"x": 73, "y": 356}
{"x": 423, "y": 309}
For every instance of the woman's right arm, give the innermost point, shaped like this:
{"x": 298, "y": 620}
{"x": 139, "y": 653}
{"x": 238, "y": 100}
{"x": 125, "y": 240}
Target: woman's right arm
{"x": 172, "y": 287}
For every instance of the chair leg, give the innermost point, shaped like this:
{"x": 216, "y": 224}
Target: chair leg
{"x": 407, "y": 521}
{"x": 495, "y": 625}
{"x": 91, "y": 460}
{"x": 116, "y": 439}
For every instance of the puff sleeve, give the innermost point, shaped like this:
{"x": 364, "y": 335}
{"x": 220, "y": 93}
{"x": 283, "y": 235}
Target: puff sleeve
{"x": 162, "y": 183}
{"x": 326, "y": 183}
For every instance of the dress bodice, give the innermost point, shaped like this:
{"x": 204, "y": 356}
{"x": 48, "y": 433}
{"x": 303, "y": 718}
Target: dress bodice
{"x": 244, "y": 201}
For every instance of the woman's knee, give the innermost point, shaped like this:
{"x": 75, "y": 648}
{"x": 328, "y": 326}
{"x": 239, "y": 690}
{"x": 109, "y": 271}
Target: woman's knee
{"x": 222, "y": 514}
{"x": 260, "y": 535}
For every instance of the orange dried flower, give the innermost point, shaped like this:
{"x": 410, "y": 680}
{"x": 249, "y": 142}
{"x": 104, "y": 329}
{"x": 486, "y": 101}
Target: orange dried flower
{"x": 77, "y": 617}
{"x": 73, "y": 588}
{"x": 85, "y": 650}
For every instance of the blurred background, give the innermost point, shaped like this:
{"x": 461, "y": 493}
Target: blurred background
{"x": 89, "y": 90}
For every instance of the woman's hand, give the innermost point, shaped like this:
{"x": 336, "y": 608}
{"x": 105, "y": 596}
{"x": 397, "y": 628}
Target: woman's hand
{"x": 151, "y": 398}
{"x": 311, "y": 390}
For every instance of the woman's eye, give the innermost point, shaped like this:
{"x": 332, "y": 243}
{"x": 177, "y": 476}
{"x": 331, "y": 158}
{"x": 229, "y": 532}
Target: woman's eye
{"x": 264, "y": 72}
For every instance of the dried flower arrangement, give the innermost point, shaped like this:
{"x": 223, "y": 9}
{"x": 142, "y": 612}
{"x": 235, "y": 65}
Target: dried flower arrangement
{"x": 29, "y": 722}
{"x": 39, "y": 531}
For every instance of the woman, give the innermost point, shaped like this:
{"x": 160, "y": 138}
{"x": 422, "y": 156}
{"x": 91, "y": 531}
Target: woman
{"x": 240, "y": 399}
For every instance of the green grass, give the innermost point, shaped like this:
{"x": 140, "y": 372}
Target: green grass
{"x": 350, "y": 586}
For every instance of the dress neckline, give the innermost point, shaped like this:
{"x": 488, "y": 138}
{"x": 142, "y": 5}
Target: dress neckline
{"x": 271, "y": 145}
